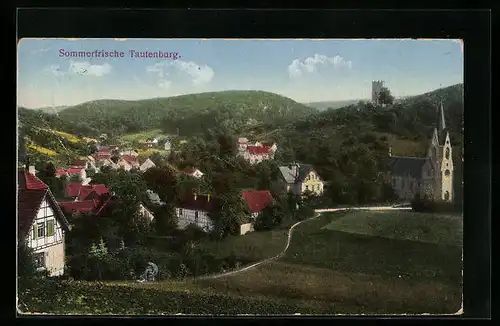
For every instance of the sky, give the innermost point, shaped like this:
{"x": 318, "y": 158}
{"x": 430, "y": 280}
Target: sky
{"x": 50, "y": 72}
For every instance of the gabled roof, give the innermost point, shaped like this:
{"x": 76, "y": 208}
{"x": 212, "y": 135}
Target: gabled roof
{"x": 291, "y": 175}
{"x": 102, "y": 156}
{"x": 74, "y": 170}
{"x": 60, "y": 172}
{"x": 79, "y": 206}
{"x": 201, "y": 203}
{"x": 259, "y": 150}
{"x": 129, "y": 159}
{"x": 73, "y": 189}
{"x": 31, "y": 193}
{"x": 87, "y": 190}
{"x": 257, "y": 200}
{"x": 403, "y": 166}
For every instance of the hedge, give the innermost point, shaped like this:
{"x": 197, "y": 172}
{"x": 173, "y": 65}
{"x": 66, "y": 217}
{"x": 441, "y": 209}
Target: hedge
{"x": 63, "y": 297}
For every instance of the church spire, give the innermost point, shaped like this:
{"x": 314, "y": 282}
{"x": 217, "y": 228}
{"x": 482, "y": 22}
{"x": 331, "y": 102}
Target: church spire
{"x": 440, "y": 122}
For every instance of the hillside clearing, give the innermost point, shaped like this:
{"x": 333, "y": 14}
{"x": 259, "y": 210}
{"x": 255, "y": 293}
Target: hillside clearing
{"x": 142, "y": 136}
{"x": 42, "y": 150}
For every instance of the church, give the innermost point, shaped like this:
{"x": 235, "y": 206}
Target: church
{"x": 431, "y": 175}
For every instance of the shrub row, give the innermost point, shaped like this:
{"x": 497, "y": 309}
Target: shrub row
{"x": 426, "y": 205}
{"x": 62, "y": 297}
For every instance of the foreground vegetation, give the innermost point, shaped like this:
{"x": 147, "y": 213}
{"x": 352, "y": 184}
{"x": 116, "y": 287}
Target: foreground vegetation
{"x": 323, "y": 272}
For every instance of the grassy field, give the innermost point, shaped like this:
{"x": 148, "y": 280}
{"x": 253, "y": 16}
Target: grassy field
{"x": 42, "y": 150}
{"x": 335, "y": 265}
{"x": 400, "y": 225}
{"x": 142, "y": 136}
{"x": 250, "y": 247}
{"x": 359, "y": 273}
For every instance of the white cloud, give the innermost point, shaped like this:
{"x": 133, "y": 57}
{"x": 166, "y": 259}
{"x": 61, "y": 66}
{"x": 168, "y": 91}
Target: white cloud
{"x": 85, "y": 68}
{"x": 297, "y": 68}
{"x": 199, "y": 74}
{"x": 80, "y": 68}
{"x": 164, "y": 84}
{"x": 41, "y": 50}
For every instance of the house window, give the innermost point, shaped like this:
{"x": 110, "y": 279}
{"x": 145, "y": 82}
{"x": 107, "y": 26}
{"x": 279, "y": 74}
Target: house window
{"x": 196, "y": 217}
{"x": 447, "y": 173}
{"x": 41, "y": 230}
{"x": 307, "y": 188}
{"x": 180, "y": 211}
{"x": 50, "y": 228}
{"x": 39, "y": 259}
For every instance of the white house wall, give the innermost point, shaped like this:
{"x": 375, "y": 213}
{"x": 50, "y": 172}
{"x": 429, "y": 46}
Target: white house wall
{"x": 245, "y": 228}
{"x": 188, "y": 216}
{"x": 51, "y": 246}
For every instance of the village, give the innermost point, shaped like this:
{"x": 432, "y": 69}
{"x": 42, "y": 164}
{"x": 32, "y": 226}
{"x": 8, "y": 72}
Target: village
{"x": 189, "y": 186}
{"x": 97, "y": 199}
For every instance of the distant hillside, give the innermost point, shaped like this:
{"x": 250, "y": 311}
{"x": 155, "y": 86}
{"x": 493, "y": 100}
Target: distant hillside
{"x": 51, "y": 110}
{"x": 190, "y": 113}
{"x": 333, "y": 104}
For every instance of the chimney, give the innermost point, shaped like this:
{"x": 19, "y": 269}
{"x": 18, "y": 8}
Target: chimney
{"x": 31, "y": 170}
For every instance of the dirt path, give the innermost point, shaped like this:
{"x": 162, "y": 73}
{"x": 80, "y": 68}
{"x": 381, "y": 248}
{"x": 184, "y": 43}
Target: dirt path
{"x": 290, "y": 232}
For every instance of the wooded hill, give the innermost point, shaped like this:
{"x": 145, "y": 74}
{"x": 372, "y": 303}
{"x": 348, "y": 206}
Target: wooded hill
{"x": 191, "y": 113}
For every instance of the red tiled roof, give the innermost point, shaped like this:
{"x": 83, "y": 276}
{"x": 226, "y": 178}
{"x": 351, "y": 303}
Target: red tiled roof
{"x": 104, "y": 150}
{"x": 102, "y": 156}
{"x": 31, "y": 193}
{"x": 73, "y": 189}
{"x": 74, "y": 170}
{"x": 129, "y": 158}
{"x": 28, "y": 205}
{"x": 258, "y": 200}
{"x": 32, "y": 182}
{"x": 86, "y": 191}
{"x": 259, "y": 150}
{"x": 78, "y": 206}
{"x": 60, "y": 172}
{"x": 190, "y": 171}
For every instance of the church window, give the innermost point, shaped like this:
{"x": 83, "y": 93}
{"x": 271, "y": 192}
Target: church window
{"x": 447, "y": 153}
{"x": 447, "y": 173}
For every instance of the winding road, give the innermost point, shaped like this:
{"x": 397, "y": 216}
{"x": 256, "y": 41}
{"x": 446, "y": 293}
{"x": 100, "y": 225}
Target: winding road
{"x": 290, "y": 232}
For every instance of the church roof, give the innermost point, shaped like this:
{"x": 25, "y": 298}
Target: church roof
{"x": 402, "y": 166}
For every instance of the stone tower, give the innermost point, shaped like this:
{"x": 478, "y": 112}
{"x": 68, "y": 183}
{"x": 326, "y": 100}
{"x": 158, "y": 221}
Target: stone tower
{"x": 377, "y": 86}
{"x": 440, "y": 154}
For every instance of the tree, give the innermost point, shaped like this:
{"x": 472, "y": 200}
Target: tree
{"x": 162, "y": 181}
{"x": 231, "y": 212}
{"x": 385, "y": 97}
{"x": 98, "y": 256}
{"x": 270, "y": 217}
{"x": 165, "y": 219}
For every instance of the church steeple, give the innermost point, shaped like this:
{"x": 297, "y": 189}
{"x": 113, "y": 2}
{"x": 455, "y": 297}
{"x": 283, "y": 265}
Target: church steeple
{"x": 440, "y": 121}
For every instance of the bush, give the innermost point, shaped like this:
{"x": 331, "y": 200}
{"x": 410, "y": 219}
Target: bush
{"x": 304, "y": 213}
{"x": 427, "y": 205}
